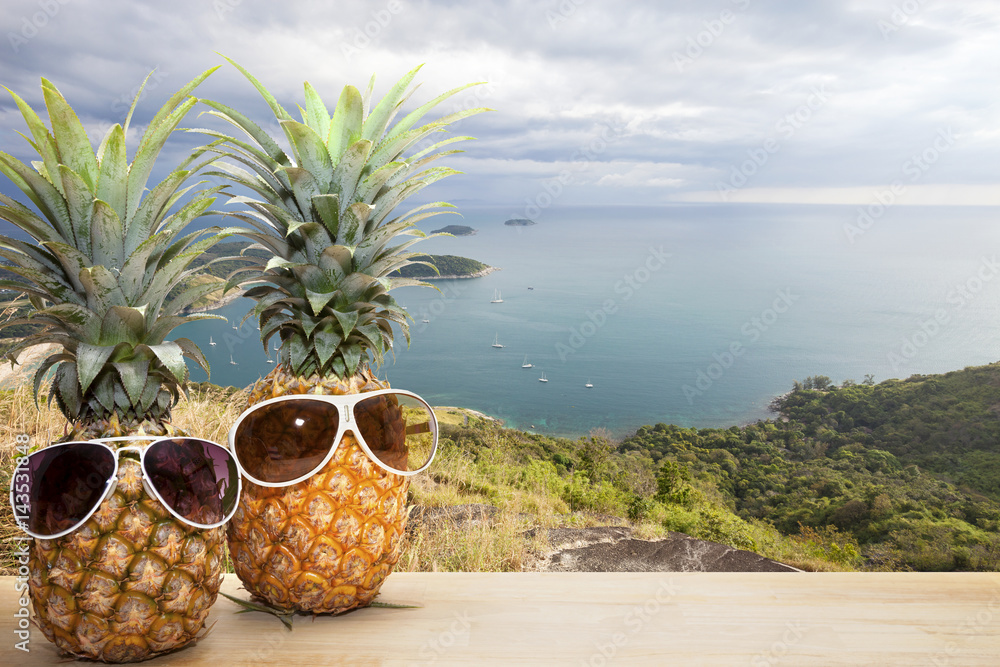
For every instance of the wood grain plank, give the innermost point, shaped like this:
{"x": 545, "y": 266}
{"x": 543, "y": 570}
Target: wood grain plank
{"x": 605, "y": 619}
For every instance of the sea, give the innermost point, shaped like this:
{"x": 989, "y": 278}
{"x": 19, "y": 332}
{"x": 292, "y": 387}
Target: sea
{"x": 691, "y": 314}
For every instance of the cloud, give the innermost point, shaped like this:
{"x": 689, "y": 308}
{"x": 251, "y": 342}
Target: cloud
{"x": 690, "y": 90}
{"x": 915, "y": 195}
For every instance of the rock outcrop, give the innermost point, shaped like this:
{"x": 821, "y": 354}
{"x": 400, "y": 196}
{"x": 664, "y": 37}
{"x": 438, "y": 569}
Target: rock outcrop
{"x": 614, "y": 549}
{"x": 607, "y": 548}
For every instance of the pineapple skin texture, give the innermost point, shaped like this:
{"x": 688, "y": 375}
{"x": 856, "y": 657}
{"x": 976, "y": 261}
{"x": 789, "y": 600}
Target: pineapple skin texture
{"x": 324, "y": 545}
{"x": 131, "y": 583}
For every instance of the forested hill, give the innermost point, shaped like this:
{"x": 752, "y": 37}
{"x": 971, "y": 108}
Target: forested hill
{"x": 909, "y": 468}
{"x": 947, "y": 424}
{"x": 447, "y": 265}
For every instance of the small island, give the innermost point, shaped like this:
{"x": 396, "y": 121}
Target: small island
{"x": 456, "y": 230}
{"x": 519, "y": 222}
{"x": 450, "y": 267}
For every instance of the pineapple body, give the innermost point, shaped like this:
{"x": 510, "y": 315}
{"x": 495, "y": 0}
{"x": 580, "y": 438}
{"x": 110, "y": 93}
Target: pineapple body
{"x": 107, "y": 250}
{"x": 325, "y": 544}
{"x": 131, "y": 583}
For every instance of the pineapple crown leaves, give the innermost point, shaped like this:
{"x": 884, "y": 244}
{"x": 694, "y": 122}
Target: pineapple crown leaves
{"x": 323, "y": 213}
{"x": 106, "y": 272}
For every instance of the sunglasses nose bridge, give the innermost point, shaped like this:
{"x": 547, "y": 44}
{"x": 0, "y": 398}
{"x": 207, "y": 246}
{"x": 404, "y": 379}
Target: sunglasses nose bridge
{"x": 137, "y": 449}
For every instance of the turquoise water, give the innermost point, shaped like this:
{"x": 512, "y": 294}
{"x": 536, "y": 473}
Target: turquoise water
{"x": 695, "y": 315}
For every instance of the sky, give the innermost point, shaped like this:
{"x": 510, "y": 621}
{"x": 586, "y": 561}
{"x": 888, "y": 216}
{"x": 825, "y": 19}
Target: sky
{"x": 594, "y": 102}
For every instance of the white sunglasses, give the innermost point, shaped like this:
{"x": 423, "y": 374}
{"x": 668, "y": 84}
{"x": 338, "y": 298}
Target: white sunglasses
{"x": 286, "y": 440}
{"x": 57, "y": 489}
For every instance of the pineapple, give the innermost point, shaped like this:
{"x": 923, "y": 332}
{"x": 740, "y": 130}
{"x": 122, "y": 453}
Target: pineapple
{"x": 132, "y": 582}
{"x": 326, "y": 544}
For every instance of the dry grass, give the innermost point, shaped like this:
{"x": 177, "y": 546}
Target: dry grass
{"x": 209, "y": 411}
{"x": 498, "y": 545}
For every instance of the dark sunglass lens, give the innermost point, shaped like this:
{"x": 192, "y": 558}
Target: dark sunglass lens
{"x": 196, "y": 478}
{"x": 283, "y": 441}
{"x": 63, "y": 483}
{"x": 399, "y": 430}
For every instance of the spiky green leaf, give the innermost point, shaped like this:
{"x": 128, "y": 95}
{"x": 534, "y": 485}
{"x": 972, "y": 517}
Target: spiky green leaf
{"x": 114, "y": 170}
{"x": 75, "y": 151}
{"x": 90, "y": 360}
{"x": 171, "y": 355}
{"x": 310, "y": 152}
{"x": 317, "y": 117}
{"x": 347, "y": 321}
{"x": 134, "y": 375}
{"x": 345, "y": 126}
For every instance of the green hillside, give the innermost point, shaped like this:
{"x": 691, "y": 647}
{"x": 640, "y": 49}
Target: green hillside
{"x": 906, "y": 468}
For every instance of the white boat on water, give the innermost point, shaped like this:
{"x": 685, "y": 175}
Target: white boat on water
{"x": 231, "y": 361}
{"x": 543, "y": 378}
{"x": 496, "y": 341}
{"x": 426, "y": 321}
{"x": 526, "y": 364}
{"x": 497, "y": 297}
{"x": 211, "y": 342}
{"x": 589, "y": 385}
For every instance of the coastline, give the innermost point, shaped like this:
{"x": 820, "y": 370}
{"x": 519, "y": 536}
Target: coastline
{"x": 478, "y": 274}
{"x": 226, "y": 299}
{"x": 470, "y": 411}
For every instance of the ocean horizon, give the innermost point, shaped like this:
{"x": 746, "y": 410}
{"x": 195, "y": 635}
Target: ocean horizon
{"x": 691, "y": 314}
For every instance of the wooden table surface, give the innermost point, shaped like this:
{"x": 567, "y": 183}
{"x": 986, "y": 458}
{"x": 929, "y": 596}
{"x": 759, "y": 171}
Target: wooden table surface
{"x": 600, "y": 619}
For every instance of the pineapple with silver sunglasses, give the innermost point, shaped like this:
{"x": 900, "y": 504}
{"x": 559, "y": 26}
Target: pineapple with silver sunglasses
{"x": 115, "y": 575}
{"x": 321, "y": 520}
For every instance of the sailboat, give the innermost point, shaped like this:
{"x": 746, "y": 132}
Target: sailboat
{"x": 589, "y": 385}
{"x": 496, "y": 341}
{"x": 543, "y": 378}
{"x": 497, "y": 297}
{"x": 211, "y": 342}
{"x": 526, "y": 364}
{"x": 231, "y": 361}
